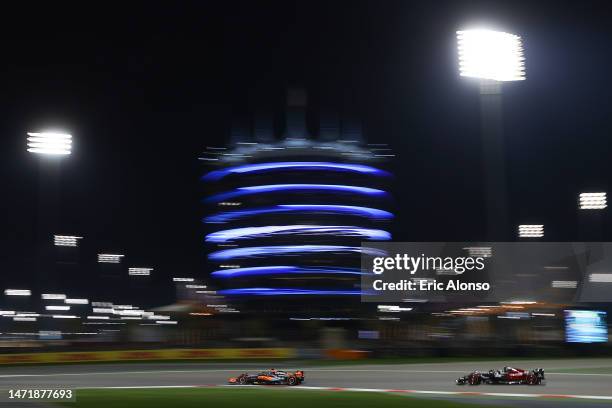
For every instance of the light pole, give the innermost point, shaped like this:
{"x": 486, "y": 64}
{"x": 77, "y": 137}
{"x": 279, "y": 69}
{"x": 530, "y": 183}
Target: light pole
{"x": 50, "y": 148}
{"x": 591, "y": 206}
{"x": 531, "y": 231}
{"x": 492, "y": 57}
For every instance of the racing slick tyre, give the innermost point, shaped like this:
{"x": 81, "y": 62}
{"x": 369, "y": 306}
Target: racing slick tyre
{"x": 533, "y": 380}
{"x": 292, "y": 381}
{"x": 474, "y": 380}
{"x": 242, "y": 380}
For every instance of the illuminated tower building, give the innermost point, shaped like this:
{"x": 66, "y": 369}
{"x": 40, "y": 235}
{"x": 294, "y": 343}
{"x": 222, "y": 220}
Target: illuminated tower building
{"x": 286, "y": 216}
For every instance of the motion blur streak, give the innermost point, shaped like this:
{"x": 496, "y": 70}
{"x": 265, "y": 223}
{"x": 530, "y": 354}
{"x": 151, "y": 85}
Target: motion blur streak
{"x": 320, "y": 208}
{"x": 267, "y": 231}
{"x": 287, "y": 291}
{"x": 262, "y": 167}
{"x": 281, "y": 270}
{"x": 288, "y": 250}
{"x": 273, "y": 188}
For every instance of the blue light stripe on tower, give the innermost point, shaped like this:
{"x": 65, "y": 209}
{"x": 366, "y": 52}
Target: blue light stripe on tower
{"x": 283, "y": 270}
{"x": 271, "y": 188}
{"x": 263, "y": 167}
{"x": 288, "y": 291}
{"x": 289, "y": 249}
{"x": 367, "y": 212}
{"x": 272, "y": 230}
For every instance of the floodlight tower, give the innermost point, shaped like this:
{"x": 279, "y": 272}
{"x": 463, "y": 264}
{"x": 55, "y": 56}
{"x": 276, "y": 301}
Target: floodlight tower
{"x": 591, "y": 206}
{"x": 492, "y": 57}
{"x": 49, "y": 148}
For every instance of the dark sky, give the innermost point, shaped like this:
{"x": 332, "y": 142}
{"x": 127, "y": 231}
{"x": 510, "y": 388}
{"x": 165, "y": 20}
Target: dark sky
{"x": 144, "y": 87}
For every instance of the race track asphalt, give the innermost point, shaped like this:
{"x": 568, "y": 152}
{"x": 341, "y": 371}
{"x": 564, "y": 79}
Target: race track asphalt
{"x": 590, "y": 377}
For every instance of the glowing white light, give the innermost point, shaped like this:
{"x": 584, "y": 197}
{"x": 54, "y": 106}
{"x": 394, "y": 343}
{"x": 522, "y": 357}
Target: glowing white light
{"x": 7, "y": 312}
{"x": 24, "y": 319}
{"x": 158, "y": 317}
{"x": 561, "y": 284}
{"x": 531, "y": 231}
{"x": 166, "y": 322}
{"x": 53, "y": 296}
{"x": 129, "y": 312}
{"x": 196, "y": 286}
{"x": 65, "y": 317}
{"x": 600, "y": 277}
{"x": 593, "y": 201}
{"x": 488, "y": 54}
{"x": 53, "y": 307}
{"x": 101, "y": 304}
{"x": 17, "y": 292}
{"x": 479, "y": 252}
{"x": 182, "y": 279}
{"x": 76, "y": 301}
{"x": 49, "y": 143}
{"x": 393, "y": 309}
{"x": 103, "y": 310}
{"x": 109, "y": 258}
{"x": 139, "y": 271}
{"x": 66, "y": 240}
{"x": 98, "y": 317}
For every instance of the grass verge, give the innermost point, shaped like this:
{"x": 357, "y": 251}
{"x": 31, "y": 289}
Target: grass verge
{"x": 247, "y": 397}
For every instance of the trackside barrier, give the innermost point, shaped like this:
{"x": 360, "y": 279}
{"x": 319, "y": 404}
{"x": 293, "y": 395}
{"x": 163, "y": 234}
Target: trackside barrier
{"x": 345, "y": 354}
{"x": 143, "y": 355}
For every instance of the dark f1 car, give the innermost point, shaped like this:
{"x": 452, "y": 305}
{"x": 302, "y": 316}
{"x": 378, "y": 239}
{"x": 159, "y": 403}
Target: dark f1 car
{"x": 270, "y": 377}
{"x": 506, "y": 375}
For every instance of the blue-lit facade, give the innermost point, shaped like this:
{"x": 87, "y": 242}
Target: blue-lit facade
{"x": 287, "y": 218}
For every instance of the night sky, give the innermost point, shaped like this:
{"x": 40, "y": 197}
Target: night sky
{"x": 144, "y": 88}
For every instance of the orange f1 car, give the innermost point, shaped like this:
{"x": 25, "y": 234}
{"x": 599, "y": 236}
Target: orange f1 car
{"x": 269, "y": 377}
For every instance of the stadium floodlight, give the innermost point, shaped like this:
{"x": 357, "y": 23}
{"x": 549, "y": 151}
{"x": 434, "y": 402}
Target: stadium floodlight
{"x": 109, "y": 258}
{"x": 102, "y": 304}
{"x": 53, "y": 296}
{"x": 600, "y": 277}
{"x": 50, "y": 143}
{"x": 183, "y": 279}
{"x": 393, "y": 309}
{"x": 65, "y": 317}
{"x": 490, "y": 55}
{"x": 103, "y": 310}
{"x": 139, "y": 271}
{"x": 564, "y": 284}
{"x": 76, "y": 301}
{"x": 479, "y": 252}
{"x": 593, "y": 201}
{"x": 66, "y": 240}
{"x": 17, "y": 292}
{"x": 24, "y": 319}
{"x": 531, "y": 231}
{"x": 7, "y": 312}
{"x": 57, "y": 307}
